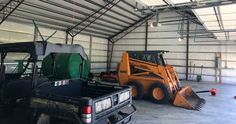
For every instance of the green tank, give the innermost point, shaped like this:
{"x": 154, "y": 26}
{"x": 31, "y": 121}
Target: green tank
{"x": 65, "y": 66}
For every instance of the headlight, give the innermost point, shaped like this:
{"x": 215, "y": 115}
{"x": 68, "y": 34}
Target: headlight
{"x": 124, "y": 96}
{"x": 103, "y": 105}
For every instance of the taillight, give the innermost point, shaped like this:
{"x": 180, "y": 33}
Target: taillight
{"x": 87, "y": 114}
{"x": 87, "y": 110}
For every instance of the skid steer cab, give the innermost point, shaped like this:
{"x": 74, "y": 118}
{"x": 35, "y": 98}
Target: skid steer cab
{"x": 148, "y": 74}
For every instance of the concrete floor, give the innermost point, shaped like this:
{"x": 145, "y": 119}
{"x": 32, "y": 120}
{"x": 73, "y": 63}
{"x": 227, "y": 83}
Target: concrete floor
{"x": 220, "y": 109}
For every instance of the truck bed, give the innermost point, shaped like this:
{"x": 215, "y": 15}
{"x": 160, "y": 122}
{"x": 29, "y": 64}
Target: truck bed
{"x": 75, "y": 89}
{"x": 74, "y": 94}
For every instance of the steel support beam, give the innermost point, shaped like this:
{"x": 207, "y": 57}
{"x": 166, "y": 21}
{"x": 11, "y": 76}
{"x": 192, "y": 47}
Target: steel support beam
{"x": 92, "y": 18}
{"x": 77, "y": 15}
{"x": 129, "y": 29}
{"x": 187, "y": 49}
{"x": 9, "y": 8}
{"x": 113, "y": 11}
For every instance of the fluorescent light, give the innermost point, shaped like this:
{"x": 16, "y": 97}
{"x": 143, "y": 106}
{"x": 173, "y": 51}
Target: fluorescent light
{"x": 151, "y": 2}
{"x": 179, "y": 1}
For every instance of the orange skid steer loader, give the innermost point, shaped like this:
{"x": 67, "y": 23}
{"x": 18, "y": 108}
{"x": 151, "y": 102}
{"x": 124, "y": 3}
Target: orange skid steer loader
{"x": 148, "y": 75}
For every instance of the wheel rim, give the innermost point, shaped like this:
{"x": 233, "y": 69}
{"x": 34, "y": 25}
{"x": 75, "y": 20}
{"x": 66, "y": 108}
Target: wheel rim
{"x": 158, "y": 93}
{"x": 134, "y": 91}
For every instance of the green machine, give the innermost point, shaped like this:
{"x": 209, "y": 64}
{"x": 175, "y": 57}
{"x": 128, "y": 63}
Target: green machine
{"x": 65, "y": 66}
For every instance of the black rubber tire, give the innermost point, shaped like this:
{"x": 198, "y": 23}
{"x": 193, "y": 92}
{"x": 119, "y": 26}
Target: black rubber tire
{"x": 166, "y": 98}
{"x": 139, "y": 87}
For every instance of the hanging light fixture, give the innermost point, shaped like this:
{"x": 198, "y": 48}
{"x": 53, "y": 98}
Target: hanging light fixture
{"x": 181, "y": 30}
{"x": 180, "y": 39}
{"x": 156, "y": 22}
{"x": 136, "y": 6}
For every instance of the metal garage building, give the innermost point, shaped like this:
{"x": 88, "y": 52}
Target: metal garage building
{"x": 200, "y": 35}
{"x": 211, "y": 32}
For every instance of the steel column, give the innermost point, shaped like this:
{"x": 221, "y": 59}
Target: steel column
{"x": 146, "y": 36}
{"x": 90, "y": 48}
{"x": 36, "y": 34}
{"x": 67, "y": 36}
{"x": 108, "y": 51}
{"x": 187, "y": 50}
{"x": 72, "y": 40}
{"x": 110, "y": 48}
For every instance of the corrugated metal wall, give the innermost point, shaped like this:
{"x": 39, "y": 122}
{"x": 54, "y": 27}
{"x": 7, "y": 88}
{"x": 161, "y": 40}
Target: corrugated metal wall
{"x": 203, "y": 51}
{"x": 14, "y": 32}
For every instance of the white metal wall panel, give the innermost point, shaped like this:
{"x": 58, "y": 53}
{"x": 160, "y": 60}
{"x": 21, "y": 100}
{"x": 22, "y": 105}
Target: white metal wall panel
{"x": 15, "y": 32}
{"x": 130, "y": 42}
{"x": 202, "y": 56}
{"x": 168, "y": 48}
{"x": 176, "y": 62}
{"x": 165, "y": 41}
{"x": 175, "y": 55}
{"x": 203, "y": 63}
{"x": 202, "y": 50}
{"x": 11, "y": 36}
{"x": 229, "y": 72}
{"x": 229, "y": 80}
{"x": 96, "y": 58}
{"x": 163, "y": 34}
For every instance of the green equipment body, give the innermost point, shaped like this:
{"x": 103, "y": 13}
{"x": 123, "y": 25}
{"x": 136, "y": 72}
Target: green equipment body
{"x": 65, "y": 66}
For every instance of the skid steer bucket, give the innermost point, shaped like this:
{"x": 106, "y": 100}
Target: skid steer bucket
{"x": 186, "y": 98}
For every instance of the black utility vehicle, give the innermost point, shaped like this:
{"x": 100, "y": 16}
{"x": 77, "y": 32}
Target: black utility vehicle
{"x": 58, "y": 89}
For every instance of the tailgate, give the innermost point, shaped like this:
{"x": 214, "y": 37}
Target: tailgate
{"x": 110, "y": 104}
